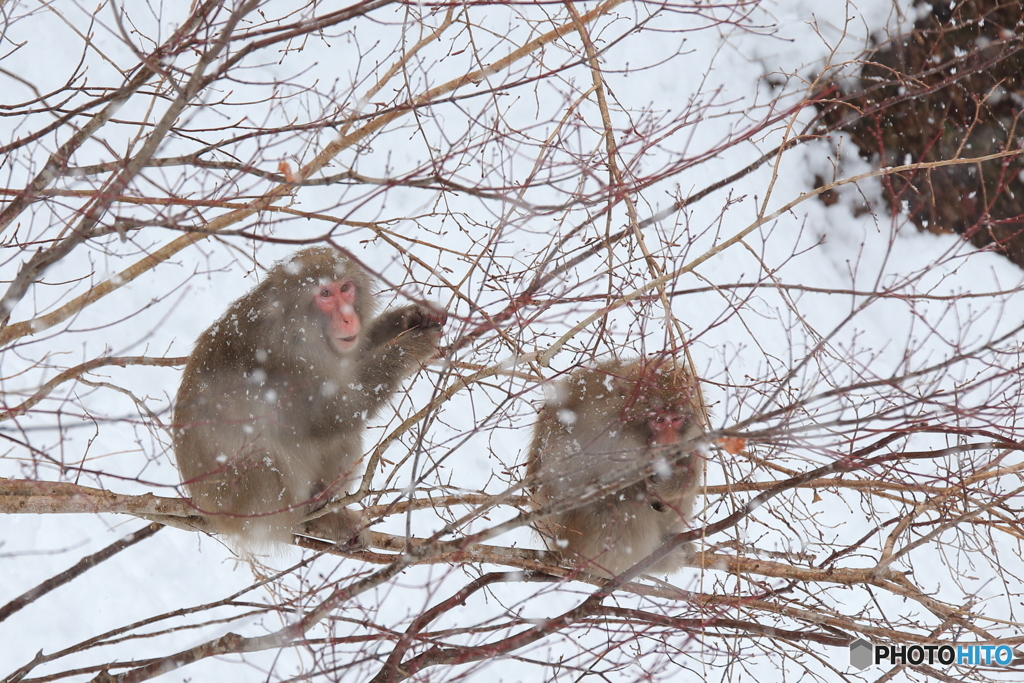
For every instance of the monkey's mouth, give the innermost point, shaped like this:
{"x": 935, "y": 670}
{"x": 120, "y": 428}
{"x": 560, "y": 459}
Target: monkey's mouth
{"x": 345, "y": 344}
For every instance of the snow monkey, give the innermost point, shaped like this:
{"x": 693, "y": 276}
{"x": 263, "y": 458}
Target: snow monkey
{"x": 594, "y": 439}
{"x": 269, "y": 418}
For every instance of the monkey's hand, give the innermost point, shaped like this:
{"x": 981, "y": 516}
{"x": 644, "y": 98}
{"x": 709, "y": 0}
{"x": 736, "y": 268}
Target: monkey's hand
{"x": 682, "y": 480}
{"x": 414, "y": 321}
{"x": 419, "y": 317}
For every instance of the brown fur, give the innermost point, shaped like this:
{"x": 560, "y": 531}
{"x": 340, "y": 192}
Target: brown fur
{"x": 592, "y": 441}
{"x": 269, "y": 418}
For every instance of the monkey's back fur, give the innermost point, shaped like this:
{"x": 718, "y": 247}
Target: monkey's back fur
{"x": 617, "y": 496}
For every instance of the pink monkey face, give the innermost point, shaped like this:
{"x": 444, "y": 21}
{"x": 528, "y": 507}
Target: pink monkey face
{"x": 337, "y": 301}
{"x": 667, "y": 427}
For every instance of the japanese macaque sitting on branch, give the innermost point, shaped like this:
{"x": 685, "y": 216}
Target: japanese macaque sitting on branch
{"x": 594, "y": 441}
{"x": 269, "y": 418}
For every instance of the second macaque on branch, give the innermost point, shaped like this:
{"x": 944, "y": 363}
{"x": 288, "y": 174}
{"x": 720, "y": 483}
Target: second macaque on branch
{"x": 593, "y": 442}
{"x": 269, "y": 419}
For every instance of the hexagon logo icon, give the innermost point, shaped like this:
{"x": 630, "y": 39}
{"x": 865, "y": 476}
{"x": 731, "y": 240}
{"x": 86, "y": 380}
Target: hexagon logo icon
{"x": 860, "y": 654}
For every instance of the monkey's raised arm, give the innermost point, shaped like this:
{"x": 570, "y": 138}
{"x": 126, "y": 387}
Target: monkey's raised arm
{"x": 399, "y": 342}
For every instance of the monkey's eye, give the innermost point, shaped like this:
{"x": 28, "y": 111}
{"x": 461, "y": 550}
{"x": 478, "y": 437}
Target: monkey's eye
{"x": 325, "y": 292}
{"x": 347, "y": 286}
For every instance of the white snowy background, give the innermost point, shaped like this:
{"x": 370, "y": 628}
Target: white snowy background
{"x": 489, "y": 248}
